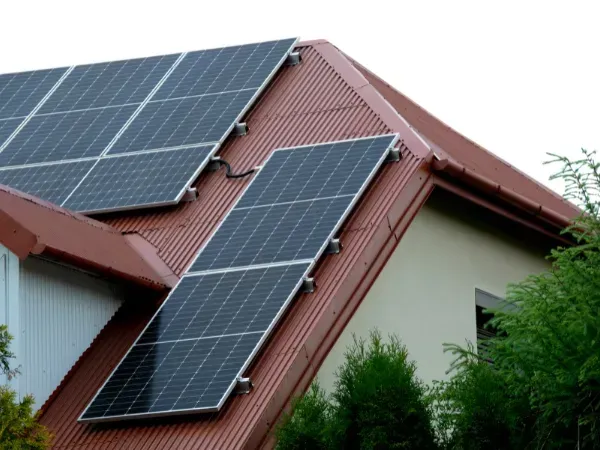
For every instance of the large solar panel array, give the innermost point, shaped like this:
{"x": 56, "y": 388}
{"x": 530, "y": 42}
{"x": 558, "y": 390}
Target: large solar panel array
{"x": 67, "y": 134}
{"x": 214, "y": 322}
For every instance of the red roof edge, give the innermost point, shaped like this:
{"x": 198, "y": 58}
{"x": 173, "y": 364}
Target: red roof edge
{"x": 482, "y": 183}
{"x": 15, "y": 236}
{"x": 29, "y": 225}
{"x": 150, "y": 254}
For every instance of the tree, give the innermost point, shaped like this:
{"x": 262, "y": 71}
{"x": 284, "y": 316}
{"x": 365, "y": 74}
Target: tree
{"x": 546, "y": 361}
{"x": 19, "y": 429}
{"x": 377, "y": 403}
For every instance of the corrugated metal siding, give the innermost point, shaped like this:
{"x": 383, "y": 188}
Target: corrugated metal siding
{"x": 305, "y": 104}
{"x": 61, "y": 311}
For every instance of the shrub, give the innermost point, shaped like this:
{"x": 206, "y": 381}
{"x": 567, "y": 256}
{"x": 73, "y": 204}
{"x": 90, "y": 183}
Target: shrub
{"x": 377, "y": 403}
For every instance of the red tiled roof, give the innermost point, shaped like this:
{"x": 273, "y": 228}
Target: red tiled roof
{"x": 325, "y": 98}
{"x": 29, "y": 225}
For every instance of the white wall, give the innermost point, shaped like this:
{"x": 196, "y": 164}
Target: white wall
{"x": 61, "y": 311}
{"x": 426, "y": 292}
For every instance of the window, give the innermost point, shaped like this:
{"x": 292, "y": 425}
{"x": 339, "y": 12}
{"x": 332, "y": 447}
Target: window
{"x": 483, "y": 301}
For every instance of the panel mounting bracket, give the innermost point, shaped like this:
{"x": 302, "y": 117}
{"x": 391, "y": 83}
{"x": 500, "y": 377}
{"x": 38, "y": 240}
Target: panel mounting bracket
{"x": 214, "y": 164}
{"x": 293, "y": 59}
{"x": 334, "y": 247}
{"x": 240, "y": 129}
{"x": 308, "y": 285}
{"x": 393, "y": 155}
{"x": 242, "y": 386}
{"x": 190, "y": 195}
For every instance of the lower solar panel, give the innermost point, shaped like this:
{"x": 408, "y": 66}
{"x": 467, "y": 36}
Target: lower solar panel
{"x": 171, "y": 377}
{"x": 53, "y": 182}
{"x": 144, "y": 179}
{"x": 198, "y": 343}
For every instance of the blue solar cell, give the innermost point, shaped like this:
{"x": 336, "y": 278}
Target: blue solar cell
{"x": 7, "y": 127}
{"x": 187, "y": 121}
{"x": 109, "y": 84}
{"x": 52, "y": 182}
{"x": 144, "y": 179}
{"x": 64, "y": 136}
{"x": 224, "y": 69}
{"x": 21, "y": 92}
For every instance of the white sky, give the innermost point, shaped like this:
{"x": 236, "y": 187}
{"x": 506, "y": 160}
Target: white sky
{"x": 520, "y": 78}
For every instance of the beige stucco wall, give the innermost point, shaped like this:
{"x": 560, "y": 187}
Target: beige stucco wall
{"x": 426, "y": 292}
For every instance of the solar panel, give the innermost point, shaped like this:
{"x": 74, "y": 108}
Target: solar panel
{"x": 271, "y": 234}
{"x": 52, "y": 182}
{"x": 289, "y": 210}
{"x": 185, "y": 121}
{"x": 224, "y": 69}
{"x": 143, "y": 179}
{"x": 65, "y": 136}
{"x": 21, "y": 92}
{"x": 241, "y": 282}
{"x": 96, "y": 111}
{"x": 190, "y": 354}
{"x": 109, "y": 84}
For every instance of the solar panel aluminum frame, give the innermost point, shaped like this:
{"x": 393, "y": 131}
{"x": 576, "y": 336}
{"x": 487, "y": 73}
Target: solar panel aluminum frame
{"x": 311, "y": 265}
{"x": 217, "y": 144}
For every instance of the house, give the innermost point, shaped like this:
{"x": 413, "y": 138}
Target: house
{"x": 435, "y": 235}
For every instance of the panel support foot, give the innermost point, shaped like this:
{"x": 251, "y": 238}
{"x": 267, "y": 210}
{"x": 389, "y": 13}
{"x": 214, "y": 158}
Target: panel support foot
{"x": 293, "y": 59}
{"x": 243, "y": 386}
{"x": 308, "y": 285}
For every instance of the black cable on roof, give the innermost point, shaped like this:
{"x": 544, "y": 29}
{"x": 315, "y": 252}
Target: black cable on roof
{"x": 228, "y": 173}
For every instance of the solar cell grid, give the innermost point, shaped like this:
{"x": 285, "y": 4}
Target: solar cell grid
{"x": 7, "y": 127}
{"x": 21, "y": 92}
{"x": 224, "y": 69}
{"x": 315, "y": 171}
{"x": 243, "y": 301}
{"x": 52, "y": 182}
{"x": 145, "y": 179}
{"x": 109, "y": 84}
{"x": 272, "y": 234}
{"x": 186, "y": 121}
{"x": 173, "y": 376}
{"x": 64, "y": 136}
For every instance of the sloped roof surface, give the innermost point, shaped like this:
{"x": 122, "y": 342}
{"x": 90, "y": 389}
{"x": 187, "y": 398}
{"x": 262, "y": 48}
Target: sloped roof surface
{"x": 325, "y": 98}
{"x": 30, "y": 225}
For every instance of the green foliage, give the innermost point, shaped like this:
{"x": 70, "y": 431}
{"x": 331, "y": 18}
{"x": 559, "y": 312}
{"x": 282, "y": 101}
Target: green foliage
{"x": 309, "y": 426}
{"x": 543, "y": 390}
{"x": 377, "y": 403}
{"x": 19, "y": 429}
{"x": 476, "y": 410}
{"x": 5, "y": 353}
